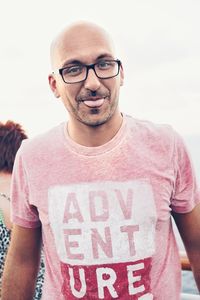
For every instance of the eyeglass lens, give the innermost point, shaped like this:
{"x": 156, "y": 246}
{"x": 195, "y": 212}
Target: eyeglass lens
{"x": 103, "y": 69}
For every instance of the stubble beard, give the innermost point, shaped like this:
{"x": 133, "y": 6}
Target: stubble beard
{"x": 87, "y": 118}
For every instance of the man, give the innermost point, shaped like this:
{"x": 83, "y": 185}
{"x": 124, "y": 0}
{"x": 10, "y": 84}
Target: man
{"x": 102, "y": 188}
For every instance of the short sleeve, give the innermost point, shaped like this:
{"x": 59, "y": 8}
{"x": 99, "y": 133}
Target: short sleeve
{"x": 22, "y": 212}
{"x": 186, "y": 193}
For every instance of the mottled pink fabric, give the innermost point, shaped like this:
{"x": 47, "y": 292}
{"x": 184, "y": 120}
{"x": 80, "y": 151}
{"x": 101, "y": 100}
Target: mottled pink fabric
{"x": 106, "y": 211}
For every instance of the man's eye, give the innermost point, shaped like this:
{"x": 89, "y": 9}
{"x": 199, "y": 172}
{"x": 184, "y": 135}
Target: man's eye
{"x": 104, "y": 64}
{"x": 74, "y": 70}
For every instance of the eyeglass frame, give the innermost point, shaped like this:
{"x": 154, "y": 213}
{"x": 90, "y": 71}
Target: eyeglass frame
{"x": 88, "y": 67}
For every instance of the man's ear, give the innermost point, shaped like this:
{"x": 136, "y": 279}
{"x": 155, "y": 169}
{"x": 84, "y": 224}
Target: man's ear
{"x": 53, "y": 85}
{"x": 121, "y": 75}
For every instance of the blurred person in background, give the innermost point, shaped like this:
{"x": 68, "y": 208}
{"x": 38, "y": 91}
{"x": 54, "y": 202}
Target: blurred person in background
{"x": 11, "y": 136}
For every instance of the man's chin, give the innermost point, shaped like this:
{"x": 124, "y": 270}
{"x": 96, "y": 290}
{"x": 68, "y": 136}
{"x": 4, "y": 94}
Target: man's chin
{"x": 94, "y": 122}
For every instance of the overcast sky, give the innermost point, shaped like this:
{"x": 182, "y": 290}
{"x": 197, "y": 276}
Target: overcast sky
{"x": 158, "y": 43}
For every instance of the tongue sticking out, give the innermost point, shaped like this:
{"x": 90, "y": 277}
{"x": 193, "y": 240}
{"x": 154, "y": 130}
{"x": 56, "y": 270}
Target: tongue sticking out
{"x": 94, "y": 103}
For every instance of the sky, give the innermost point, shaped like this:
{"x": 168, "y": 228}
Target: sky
{"x": 157, "y": 41}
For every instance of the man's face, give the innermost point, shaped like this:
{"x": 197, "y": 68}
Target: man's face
{"x": 93, "y": 101}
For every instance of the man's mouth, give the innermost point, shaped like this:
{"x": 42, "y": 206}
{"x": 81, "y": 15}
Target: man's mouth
{"x": 95, "y": 102}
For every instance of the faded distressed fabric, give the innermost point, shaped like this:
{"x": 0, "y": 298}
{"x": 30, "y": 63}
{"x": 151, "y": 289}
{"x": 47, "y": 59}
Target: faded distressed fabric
{"x": 106, "y": 211}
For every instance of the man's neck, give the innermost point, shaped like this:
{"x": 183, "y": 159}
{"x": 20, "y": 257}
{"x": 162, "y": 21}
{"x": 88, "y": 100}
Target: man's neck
{"x": 94, "y": 136}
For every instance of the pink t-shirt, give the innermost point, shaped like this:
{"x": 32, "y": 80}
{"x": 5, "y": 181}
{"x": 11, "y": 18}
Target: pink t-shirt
{"x": 106, "y": 211}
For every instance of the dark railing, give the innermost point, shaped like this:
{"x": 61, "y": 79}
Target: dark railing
{"x": 185, "y": 264}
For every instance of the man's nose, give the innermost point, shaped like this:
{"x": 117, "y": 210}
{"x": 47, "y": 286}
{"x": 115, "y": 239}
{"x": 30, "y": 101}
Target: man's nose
{"x": 92, "y": 81}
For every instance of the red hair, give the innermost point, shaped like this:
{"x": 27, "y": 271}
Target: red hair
{"x": 11, "y": 136}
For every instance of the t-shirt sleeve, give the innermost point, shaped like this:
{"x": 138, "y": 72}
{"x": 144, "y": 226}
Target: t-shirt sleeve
{"x": 22, "y": 212}
{"x": 186, "y": 193}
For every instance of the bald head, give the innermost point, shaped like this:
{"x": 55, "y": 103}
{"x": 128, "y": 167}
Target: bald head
{"x": 77, "y": 39}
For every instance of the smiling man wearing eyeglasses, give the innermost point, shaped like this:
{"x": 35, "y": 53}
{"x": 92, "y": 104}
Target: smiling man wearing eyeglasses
{"x": 101, "y": 188}
{"x": 87, "y": 77}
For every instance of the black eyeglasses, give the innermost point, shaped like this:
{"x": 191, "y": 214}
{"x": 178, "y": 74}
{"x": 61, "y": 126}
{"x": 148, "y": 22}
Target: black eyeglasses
{"x": 103, "y": 69}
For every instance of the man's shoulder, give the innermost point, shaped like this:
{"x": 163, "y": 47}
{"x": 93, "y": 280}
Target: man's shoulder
{"x": 42, "y": 142}
{"x": 160, "y": 139}
{"x": 149, "y": 128}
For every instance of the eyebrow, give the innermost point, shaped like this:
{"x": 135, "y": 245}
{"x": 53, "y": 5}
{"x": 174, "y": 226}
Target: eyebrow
{"x": 72, "y": 62}
{"x": 78, "y": 62}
